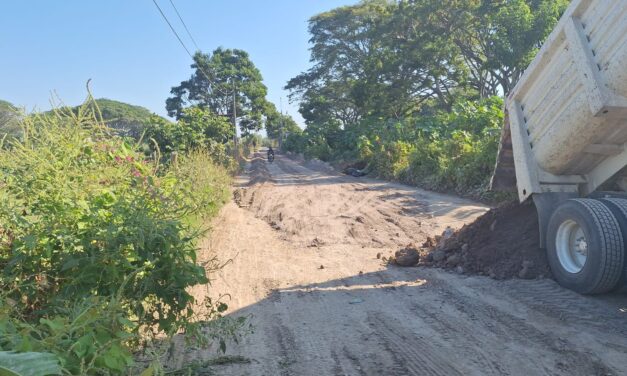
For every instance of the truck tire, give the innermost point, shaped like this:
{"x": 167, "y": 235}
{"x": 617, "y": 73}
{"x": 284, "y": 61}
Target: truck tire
{"x": 618, "y": 206}
{"x": 585, "y": 246}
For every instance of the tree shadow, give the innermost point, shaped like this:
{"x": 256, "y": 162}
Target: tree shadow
{"x": 407, "y": 321}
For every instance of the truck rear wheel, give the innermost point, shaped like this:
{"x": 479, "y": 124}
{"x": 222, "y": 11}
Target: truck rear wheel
{"x": 618, "y": 206}
{"x": 585, "y": 246}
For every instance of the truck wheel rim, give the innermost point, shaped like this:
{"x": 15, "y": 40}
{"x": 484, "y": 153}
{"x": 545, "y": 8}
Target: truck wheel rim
{"x": 572, "y": 246}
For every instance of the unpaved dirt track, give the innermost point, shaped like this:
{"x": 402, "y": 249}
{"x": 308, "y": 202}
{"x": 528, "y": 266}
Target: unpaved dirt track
{"x": 304, "y": 268}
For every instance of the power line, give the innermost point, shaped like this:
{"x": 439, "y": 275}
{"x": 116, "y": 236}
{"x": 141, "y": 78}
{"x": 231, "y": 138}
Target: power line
{"x": 185, "y": 47}
{"x": 174, "y": 31}
{"x": 184, "y": 25}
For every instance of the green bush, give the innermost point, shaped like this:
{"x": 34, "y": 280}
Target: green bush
{"x": 196, "y": 129}
{"x": 97, "y": 244}
{"x": 441, "y": 150}
{"x": 461, "y": 156}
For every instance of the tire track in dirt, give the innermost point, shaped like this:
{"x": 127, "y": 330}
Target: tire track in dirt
{"x": 567, "y": 359}
{"x": 463, "y": 340}
{"x": 547, "y": 297}
{"x": 282, "y": 336}
{"x": 414, "y": 355}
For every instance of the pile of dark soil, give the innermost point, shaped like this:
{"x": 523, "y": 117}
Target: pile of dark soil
{"x": 503, "y": 244}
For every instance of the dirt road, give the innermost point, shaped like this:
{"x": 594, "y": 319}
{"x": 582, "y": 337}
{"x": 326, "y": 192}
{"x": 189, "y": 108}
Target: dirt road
{"x": 304, "y": 245}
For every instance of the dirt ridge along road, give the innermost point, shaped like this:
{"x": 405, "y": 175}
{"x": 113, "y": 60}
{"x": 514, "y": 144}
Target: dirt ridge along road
{"x": 304, "y": 245}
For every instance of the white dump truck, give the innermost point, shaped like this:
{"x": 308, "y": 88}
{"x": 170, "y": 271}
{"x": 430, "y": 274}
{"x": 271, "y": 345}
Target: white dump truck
{"x": 564, "y": 145}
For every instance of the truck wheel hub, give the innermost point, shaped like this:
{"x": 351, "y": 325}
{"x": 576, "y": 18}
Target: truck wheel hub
{"x": 572, "y": 247}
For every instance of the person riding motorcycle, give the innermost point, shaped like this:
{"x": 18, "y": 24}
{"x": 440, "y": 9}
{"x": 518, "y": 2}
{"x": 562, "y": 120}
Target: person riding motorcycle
{"x": 270, "y": 153}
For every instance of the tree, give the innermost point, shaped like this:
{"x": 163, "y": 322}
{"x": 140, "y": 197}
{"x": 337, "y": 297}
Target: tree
{"x": 343, "y": 39}
{"x": 278, "y": 124}
{"x": 498, "y": 39}
{"x": 9, "y": 120}
{"x": 218, "y": 79}
{"x": 419, "y": 61}
{"x": 196, "y": 128}
{"x": 388, "y": 59}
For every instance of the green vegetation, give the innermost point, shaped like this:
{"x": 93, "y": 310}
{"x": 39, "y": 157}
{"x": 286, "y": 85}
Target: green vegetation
{"x": 9, "y": 120}
{"x": 195, "y": 129}
{"x": 217, "y": 79}
{"x": 128, "y": 120}
{"x": 103, "y": 207}
{"x": 98, "y": 244}
{"x": 410, "y": 88}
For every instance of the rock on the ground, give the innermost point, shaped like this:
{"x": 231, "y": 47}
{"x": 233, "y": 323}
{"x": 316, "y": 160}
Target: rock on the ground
{"x": 407, "y": 256}
{"x": 525, "y": 272}
{"x": 447, "y": 233}
{"x": 315, "y": 243}
{"x": 438, "y": 255}
{"x": 453, "y": 260}
{"x": 447, "y": 242}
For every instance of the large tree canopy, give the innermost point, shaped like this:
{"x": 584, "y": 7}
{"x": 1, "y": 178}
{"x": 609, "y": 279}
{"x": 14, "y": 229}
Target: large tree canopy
{"x": 343, "y": 43}
{"x": 387, "y": 59}
{"x": 216, "y": 80}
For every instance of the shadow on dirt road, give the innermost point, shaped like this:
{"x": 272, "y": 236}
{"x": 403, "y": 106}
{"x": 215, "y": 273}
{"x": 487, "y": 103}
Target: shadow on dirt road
{"x": 306, "y": 269}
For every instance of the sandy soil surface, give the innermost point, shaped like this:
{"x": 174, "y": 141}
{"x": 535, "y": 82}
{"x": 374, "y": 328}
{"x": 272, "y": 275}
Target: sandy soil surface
{"x": 304, "y": 244}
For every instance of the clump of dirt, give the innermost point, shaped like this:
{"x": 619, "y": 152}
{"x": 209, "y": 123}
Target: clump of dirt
{"x": 408, "y": 256}
{"x": 503, "y": 243}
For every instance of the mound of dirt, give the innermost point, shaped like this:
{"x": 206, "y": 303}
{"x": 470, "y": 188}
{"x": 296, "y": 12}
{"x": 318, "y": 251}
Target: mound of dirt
{"x": 258, "y": 171}
{"x": 503, "y": 243}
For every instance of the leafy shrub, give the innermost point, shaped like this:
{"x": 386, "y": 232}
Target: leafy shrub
{"x": 389, "y": 159}
{"x": 442, "y": 150}
{"x": 460, "y": 158}
{"x": 195, "y": 129}
{"x": 97, "y": 244}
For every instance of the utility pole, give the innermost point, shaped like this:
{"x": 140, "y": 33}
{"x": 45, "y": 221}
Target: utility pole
{"x": 281, "y": 125}
{"x": 235, "y": 153}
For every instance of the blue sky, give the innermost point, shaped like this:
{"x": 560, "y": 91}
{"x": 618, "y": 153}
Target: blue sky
{"x": 131, "y": 55}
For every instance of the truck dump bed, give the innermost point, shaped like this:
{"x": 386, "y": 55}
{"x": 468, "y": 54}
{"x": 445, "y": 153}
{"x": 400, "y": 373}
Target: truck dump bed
{"x": 568, "y": 113}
